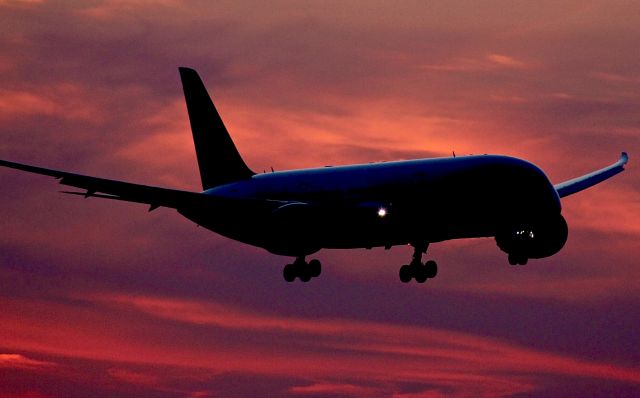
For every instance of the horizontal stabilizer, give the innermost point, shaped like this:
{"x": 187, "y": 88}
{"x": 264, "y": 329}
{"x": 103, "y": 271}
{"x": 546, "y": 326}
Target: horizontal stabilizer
{"x": 578, "y": 184}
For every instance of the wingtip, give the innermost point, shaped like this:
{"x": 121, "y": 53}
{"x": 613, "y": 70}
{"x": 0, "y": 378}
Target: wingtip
{"x": 624, "y": 158}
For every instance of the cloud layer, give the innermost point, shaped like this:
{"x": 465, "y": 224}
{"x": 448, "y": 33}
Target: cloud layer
{"x": 103, "y": 299}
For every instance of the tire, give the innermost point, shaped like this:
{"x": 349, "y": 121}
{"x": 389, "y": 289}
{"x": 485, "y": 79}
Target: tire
{"x": 289, "y": 273}
{"x": 304, "y": 272}
{"x": 431, "y": 268}
{"x": 513, "y": 259}
{"x": 315, "y": 268}
{"x": 405, "y": 274}
{"x": 420, "y": 273}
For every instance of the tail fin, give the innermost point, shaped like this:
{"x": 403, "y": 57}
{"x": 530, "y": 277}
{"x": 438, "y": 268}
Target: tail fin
{"x": 218, "y": 159}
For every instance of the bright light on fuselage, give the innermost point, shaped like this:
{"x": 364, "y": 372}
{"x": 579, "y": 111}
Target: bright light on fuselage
{"x": 382, "y": 212}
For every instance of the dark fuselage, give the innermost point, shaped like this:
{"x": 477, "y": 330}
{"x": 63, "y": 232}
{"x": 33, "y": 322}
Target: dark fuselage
{"x": 427, "y": 200}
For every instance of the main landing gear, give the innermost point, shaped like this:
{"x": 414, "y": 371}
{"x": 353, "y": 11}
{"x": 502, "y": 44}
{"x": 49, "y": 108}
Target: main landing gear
{"x": 301, "y": 269}
{"x": 421, "y": 272}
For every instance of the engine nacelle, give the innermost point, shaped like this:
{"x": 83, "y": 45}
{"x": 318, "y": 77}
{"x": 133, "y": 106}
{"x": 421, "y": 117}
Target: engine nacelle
{"x": 536, "y": 238}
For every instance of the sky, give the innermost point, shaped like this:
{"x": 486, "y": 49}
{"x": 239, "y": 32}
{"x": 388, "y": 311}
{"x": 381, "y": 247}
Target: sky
{"x": 101, "y": 298}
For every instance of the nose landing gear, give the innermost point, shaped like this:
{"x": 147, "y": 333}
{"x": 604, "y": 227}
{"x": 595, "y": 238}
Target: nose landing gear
{"x": 517, "y": 259}
{"x": 301, "y": 269}
{"x": 416, "y": 269}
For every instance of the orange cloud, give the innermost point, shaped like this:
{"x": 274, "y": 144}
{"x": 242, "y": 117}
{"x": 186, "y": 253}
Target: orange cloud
{"x": 20, "y": 2}
{"x": 477, "y": 64}
{"x": 18, "y": 361}
{"x": 506, "y": 61}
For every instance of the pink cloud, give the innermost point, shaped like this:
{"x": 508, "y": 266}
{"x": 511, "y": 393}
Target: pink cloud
{"x": 336, "y": 388}
{"x": 335, "y": 349}
{"x": 618, "y": 216}
{"x": 93, "y": 88}
{"x": 65, "y": 100}
{"x": 27, "y": 394}
{"x": 616, "y": 78}
{"x": 132, "y": 377}
{"x": 459, "y": 349}
{"x": 116, "y": 8}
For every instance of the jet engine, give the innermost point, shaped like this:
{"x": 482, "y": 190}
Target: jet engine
{"x": 536, "y": 238}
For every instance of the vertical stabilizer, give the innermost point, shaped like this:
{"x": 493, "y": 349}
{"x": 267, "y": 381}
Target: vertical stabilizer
{"x": 218, "y": 159}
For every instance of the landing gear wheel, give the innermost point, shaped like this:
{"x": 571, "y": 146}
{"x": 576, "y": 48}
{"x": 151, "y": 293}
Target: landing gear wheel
{"x": 301, "y": 269}
{"x": 513, "y": 259}
{"x": 517, "y": 259}
{"x": 305, "y": 275}
{"x": 315, "y": 268}
{"x": 289, "y": 273}
{"x": 405, "y": 274}
{"x": 420, "y": 273}
{"x": 431, "y": 268}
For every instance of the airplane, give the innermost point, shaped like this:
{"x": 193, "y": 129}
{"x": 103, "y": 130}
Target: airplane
{"x": 296, "y": 213}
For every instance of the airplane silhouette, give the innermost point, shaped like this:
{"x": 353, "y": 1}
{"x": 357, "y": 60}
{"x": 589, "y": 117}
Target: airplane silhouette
{"x": 299, "y": 212}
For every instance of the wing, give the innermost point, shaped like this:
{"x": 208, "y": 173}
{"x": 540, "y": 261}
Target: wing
{"x": 118, "y": 190}
{"x": 578, "y": 184}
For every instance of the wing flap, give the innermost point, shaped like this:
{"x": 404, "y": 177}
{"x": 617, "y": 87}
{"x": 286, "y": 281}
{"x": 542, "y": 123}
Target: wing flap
{"x": 586, "y": 181}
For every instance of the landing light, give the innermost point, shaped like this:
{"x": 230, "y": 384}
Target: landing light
{"x": 523, "y": 232}
{"x": 382, "y": 212}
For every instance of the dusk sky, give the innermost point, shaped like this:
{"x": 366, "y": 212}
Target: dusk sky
{"x": 100, "y": 298}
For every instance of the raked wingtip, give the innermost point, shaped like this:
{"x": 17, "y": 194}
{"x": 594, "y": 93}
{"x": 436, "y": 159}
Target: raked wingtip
{"x": 624, "y": 158}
